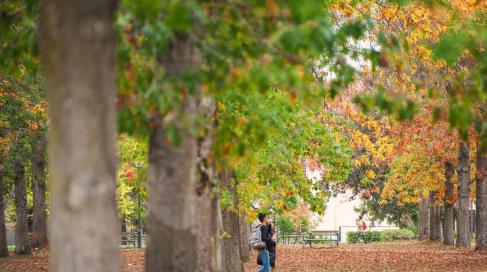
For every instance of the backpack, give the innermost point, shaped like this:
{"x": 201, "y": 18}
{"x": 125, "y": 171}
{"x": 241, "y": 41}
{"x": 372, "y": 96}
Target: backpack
{"x": 364, "y": 226}
{"x": 256, "y": 238}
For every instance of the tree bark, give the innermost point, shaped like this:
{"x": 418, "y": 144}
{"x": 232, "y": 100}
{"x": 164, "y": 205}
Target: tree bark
{"x": 231, "y": 241}
{"x": 463, "y": 172}
{"x": 217, "y": 234}
{"x": 435, "y": 226}
{"x": 204, "y": 249}
{"x": 172, "y": 204}
{"x": 481, "y": 201}
{"x": 423, "y": 219}
{"x": 39, "y": 228}
{"x": 207, "y": 237}
{"x": 77, "y": 43}
{"x": 448, "y": 217}
{"x": 3, "y": 229}
{"x": 172, "y": 174}
{"x": 22, "y": 245}
{"x": 244, "y": 237}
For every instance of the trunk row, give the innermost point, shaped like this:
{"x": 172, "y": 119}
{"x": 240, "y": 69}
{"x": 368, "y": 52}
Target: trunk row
{"x": 429, "y": 215}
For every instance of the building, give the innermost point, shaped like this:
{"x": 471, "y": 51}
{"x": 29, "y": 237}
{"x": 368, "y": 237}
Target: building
{"x": 340, "y": 213}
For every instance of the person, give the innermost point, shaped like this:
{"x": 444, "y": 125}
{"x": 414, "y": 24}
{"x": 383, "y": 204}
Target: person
{"x": 360, "y": 228}
{"x": 271, "y": 248}
{"x": 264, "y": 256}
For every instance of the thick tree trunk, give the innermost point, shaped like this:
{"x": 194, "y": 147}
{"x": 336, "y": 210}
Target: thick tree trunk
{"x": 423, "y": 219}
{"x": 481, "y": 201}
{"x": 448, "y": 217}
{"x": 22, "y": 245}
{"x": 3, "y": 230}
{"x": 78, "y": 42}
{"x": 172, "y": 204}
{"x": 172, "y": 174}
{"x": 435, "y": 224}
{"x": 231, "y": 241}
{"x": 463, "y": 172}
{"x": 39, "y": 228}
{"x": 244, "y": 237}
{"x": 206, "y": 248}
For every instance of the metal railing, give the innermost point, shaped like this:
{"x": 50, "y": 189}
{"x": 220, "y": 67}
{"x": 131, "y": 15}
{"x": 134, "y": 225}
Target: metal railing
{"x": 299, "y": 238}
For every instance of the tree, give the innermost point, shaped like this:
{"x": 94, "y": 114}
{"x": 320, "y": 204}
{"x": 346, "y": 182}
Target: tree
{"x": 3, "y": 231}
{"x": 22, "y": 243}
{"x": 448, "y": 203}
{"x": 463, "y": 172}
{"x": 423, "y": 219}
{"x": 481, "y": 200}
{"x": 231, "y": 231}
{"x": 245, "y": 229}
{"x": 39, "y": 228}
{"x": 435, "y": 222}
{"x": 77, "y": 42}
{"x": 209, "y": 231}
{"x": 163, "y": 77}
{"x": 172, "y": 171}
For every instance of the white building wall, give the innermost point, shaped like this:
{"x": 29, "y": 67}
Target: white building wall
{"x": 340, "y": 213}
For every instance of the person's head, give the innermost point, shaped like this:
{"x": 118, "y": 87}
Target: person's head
{"x": 262, "y": 217}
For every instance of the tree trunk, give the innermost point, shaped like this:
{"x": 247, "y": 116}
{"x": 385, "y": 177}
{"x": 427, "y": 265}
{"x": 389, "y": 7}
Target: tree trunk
{"x": 3, "y": 229}
{"x": 39, "y": 228}
{"x": 435, "y": 226}
{"x": 204, "y": 249}
{"x": 172, "y": 173}
{"x": 244, "y": 237}
{"x": 423, "y": 219}
{"x": 231, "y": 241}
{"x": 448, "y": 217}
{"x": 22, "y": 246}
{"x": 481, "y": 201}
{"x": 217, "y": 234}
{"x": 207, "y": 237}
{"x": 172, "y": 204}
{"x": 463, "y": 170}
{"x": 78, "y": 42}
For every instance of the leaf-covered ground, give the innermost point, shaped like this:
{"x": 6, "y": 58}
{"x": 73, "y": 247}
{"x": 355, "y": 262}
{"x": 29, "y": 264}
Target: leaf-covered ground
{"x": 132, "y": 261}
{"x": 406, "y": 256}
{"x": 410, "y": 256}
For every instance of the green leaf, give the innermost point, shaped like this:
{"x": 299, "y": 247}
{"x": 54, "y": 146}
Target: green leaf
{"x": 450, "y": 47}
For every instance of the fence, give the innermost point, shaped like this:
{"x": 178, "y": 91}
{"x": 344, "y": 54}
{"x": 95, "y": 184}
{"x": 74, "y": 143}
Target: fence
{"x": 133, "y": 238}
{"x": 298, "y": 238}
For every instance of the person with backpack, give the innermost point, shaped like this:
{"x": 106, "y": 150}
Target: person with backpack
{"x": 261, "y": 240}
{"x": 271, "y": 248}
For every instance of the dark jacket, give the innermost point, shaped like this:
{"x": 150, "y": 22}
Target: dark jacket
{"x": 266, "y": 231}
{"x": 266, "y": 236}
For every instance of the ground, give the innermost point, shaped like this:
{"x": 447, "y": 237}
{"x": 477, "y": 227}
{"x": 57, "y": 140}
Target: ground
{"x": 405, "y": 256}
